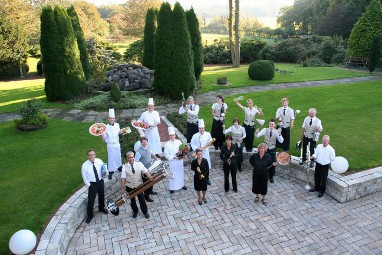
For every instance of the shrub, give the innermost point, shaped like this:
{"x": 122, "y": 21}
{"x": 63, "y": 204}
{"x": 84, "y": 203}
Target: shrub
{"x": 217, "y": 53}
{"x": 261, "y": 70}
{"x": 250, "y": 50}
{"x": 115, "y": 92}
{"x": 40, "y": 67}
{"x": 9, "y": 70}
{"x": 31, "y": 115}
{"x": 135, "y": 52}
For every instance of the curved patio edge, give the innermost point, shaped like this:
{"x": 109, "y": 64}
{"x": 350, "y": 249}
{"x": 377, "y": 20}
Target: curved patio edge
{"x": 62, "y": 226}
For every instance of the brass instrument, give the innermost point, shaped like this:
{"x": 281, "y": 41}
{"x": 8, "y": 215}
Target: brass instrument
{"x": 203, "y": 147}
{"x": 161, "y": 171}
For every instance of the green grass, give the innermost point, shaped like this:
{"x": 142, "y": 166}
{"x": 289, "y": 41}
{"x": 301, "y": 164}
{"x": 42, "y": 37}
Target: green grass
{"x": 13, "y": 93}
{"x": 350, "y": 114}
{"x": 238, "y": 77}
{"x": 32, "y": 62}
{"x": 39, "y": 171}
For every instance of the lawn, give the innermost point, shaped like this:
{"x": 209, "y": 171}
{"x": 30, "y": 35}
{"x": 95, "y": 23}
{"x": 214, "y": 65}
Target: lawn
{"x": 39, "y": 171}
{"x": 238, "y": 77}
{"x": 13, "y": 93}
{"x": 346, "y": 112}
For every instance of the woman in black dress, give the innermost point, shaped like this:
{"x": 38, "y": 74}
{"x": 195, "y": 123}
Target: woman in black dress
{"x": 200, "y": 167}
{"x": 218, "y": 111}
{"x": 261, "y": 161}
{"x": 228, "y": 156}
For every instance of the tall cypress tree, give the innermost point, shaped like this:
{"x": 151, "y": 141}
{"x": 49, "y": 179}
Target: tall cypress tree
{"x": 80, "y": 41}
{"x": 71, "y": 64}
{"x": 148, "y": 39}
{"x": 364, "y": 30}
{"x": 183, "y": 78}
{"x": 196, "y": 42}
{"x": 374, "y": 54}
{"x": 163, "y": 49}
{"x": 51, "y": 56}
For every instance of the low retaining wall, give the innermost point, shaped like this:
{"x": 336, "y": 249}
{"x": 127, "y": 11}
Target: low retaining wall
{"x": 62, "y": 226}
{"x": 341, "y": 188}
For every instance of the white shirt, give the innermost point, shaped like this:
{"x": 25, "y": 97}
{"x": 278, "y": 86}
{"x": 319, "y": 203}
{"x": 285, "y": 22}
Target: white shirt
{"x": 111, "y": 135}
{"x": 324, "y": 155}
{"x": 192, "y": 115}
{"x": 171, "y": 149}
{"x": 88, "y": 172}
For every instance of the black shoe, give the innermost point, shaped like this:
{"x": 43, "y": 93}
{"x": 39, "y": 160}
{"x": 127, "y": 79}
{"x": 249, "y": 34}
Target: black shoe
{"x": 147, "y": 215}
{"x": 313, "y": 190}
{"x": 216, "y": 148}
{"x": 239, "y": 169}
{"x": 208, "y": 182}
{"x": 235, "y": 190}
{"x": 301, "y": 163}
{"x": 103, "y": 210}
{"x": 110, "y": 175}
{"x": 135, "y": 214}
{"x": 153, "y": 193}
{"x": 148, "y": 199}
{"x": 88, "y": 219}
{"x": 271, "y": 180}
{"x": 157, "y": 155}
{"x": 184, "y": 188}
{"x": 119, "y": 169}
{"x": 312, "y": 164}
{"x": 171, "y": 192}
{"x": 320, "y": 194}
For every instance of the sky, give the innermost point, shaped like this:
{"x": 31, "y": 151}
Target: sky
{"x": 265, "y": 10}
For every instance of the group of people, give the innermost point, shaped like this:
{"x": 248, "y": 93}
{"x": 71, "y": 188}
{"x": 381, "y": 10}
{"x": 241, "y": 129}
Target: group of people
{"x": 230, "y": 141}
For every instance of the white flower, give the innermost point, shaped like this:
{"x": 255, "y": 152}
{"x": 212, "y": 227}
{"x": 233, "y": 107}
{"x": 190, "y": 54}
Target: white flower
{"x": 298, "y": 111}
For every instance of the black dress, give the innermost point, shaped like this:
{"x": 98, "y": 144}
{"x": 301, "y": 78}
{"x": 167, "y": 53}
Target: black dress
{"x": 260, "y": 173}
{"x": 200, "y": 184}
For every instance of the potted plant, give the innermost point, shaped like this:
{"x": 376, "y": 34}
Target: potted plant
{"x": 221, "y": 80}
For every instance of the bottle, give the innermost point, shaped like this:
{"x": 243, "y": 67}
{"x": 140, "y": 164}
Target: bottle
{"x": 104, "y": 169}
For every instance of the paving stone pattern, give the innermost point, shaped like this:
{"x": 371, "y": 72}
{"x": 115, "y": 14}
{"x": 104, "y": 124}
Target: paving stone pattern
{"x": 294, "y": 222}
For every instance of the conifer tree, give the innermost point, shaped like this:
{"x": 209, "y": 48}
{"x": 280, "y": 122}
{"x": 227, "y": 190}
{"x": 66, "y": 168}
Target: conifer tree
{"x": 51, "y": 56}
{"x": 374, "y": 54}
{"x": 163, "y": 48}
{"x": 196, "y": 42}
{"x": 183, "y": 78}
{"x": 80, "y": 41}
{"x": 71, "y": 65}
{"x": 148, "y": 39}
{"x": 366, "y": 27}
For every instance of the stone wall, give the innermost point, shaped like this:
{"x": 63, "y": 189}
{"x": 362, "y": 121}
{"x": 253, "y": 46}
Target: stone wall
{"x": 129, "y": 77}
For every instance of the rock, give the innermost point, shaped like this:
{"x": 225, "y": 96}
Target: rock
{"x": 132, "y": 86}
{"x": 116, "y": 77}
{"x": 144, "y": 84}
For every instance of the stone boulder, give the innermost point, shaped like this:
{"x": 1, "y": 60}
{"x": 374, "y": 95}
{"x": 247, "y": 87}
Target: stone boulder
{"x": 129, "y": 77}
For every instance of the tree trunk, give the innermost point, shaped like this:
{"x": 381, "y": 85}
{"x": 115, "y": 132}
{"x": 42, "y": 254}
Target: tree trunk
{"x": 236, "y": 63}
{"x": 230, "y": 31}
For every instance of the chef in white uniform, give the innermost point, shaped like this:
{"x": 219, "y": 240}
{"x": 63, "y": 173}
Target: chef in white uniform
{"x": 176, "y": 165}
{"x": 152, "y": 118}
{"x": 199, "y": 140}
{"x": 111, "y": 137}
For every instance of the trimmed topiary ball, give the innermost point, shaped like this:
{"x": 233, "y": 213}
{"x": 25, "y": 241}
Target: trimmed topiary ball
{"x": 261, "y": 70}
{"x": 115, "y": 92}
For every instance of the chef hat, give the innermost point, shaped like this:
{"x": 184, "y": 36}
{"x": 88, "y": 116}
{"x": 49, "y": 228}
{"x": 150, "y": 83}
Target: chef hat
{"x": 171, "y": 131}
{"x": 111, "y": 113}
{"x": 201, "y": 123}
{"x": 151, "y": 101}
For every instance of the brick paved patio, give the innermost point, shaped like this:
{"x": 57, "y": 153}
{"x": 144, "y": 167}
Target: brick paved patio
{"x": 294, "y": 222}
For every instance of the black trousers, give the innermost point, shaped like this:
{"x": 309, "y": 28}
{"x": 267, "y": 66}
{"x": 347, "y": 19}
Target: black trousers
{"x": 227, "y": 170}
{"x": 142, "y": 202}
{"x": 305, "y": 141}
{"x": 272, "y": 169}
{"x": 250, "y": 136}
{"x": 285, "y": 145}
{"x": 217, "y": 133}
{"x": 192, "y": 128}
{"x": 320, "y": 177}
{"x": 94, "y": 189}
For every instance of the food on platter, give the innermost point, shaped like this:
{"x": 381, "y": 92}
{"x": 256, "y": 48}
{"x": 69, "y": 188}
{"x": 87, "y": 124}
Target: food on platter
{"x": 140, "y": 125}
{"x": 97, "y": 129}
{"x": 126, "y": 130}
